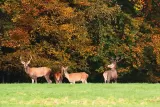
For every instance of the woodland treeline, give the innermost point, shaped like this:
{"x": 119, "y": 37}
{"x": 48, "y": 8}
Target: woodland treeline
{"x": 81, "y": 34}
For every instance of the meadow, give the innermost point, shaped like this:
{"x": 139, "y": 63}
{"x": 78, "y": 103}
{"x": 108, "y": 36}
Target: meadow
{"x": 80, "y": 95}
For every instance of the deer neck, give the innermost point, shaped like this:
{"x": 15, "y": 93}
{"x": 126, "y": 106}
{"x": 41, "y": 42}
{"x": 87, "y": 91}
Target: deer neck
{"x": 66, "y": 75}
{"x": 113, "y": 69}
{"x": 61, "y": 72}
{"x": 27, "y": 69}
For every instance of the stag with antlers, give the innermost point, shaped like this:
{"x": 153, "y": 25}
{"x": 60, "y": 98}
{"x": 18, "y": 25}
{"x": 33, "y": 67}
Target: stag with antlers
{"x": 111, "y": 75}
{"x": 36, "y": 72}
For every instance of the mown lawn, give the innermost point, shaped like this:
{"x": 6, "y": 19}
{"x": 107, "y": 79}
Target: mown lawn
{"x": 80, "y": 95}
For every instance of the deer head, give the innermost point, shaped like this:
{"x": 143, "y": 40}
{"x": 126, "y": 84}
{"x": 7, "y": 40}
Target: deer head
{"x": 114, "y": 62}
{"x": 64, "y": 70}
{"x": 25, "y": 63}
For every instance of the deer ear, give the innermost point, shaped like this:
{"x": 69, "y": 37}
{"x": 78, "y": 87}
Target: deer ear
{"x": 118, "y": 59}
{"x": 21, "y": 60}
{"x": 62, "y": 68}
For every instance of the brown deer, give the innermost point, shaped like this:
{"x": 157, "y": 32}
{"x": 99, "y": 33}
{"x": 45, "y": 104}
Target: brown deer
{"x": 111, "y": 75}
{"x": 34, "y": 72}
{"x": 75, "y": 77}
{"x": 58, "y": 76}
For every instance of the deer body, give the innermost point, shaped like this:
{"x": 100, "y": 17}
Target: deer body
{"x": 38, "y": 72}
{"x": 34, "y": 72}
{"x": 76, "y": 77}
{"x": 111, "y": 74}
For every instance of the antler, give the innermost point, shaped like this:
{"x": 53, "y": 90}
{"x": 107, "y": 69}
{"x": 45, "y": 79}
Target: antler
{"x": 118, "y": 59}
{"x": 112, "y": 59}
{"x": 29, "y": 59}
{"x": 22, "y": 60}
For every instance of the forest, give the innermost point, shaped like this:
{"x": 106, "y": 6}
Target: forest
{"x": 83, "y": 35}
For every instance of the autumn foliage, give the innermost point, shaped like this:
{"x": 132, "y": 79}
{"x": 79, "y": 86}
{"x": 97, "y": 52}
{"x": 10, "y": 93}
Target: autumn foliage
{"x": 84, "y": 35}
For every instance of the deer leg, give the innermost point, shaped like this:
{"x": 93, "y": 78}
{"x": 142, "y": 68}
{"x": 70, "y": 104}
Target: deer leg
{"x": 115, "y": 80}
{"x": 85, "y": 81}
{"x": 50, "y": 81}
{"x": 105, "y": 80}
{"x": 32, "y": 81}
{"x": 108, "y": 80}
{"x": 60, "y": 81}
{"x": 35, "y": 80}
{"x": 105, "y": 75}
{"x": 82, "y": 81}
{"x": 47, "y": 78}
{"x": 55, "y": 81}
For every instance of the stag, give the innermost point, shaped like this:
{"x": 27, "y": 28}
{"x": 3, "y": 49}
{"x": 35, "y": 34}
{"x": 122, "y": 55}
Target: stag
{"x": 111, "y": 75}
{"x": 58, "y": 76}
{"x": 36, "y": 72}
{"x": 75, "y": 77}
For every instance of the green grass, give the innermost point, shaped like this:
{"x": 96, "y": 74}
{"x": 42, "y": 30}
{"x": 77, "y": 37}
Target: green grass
{"x": 80, "y": 95}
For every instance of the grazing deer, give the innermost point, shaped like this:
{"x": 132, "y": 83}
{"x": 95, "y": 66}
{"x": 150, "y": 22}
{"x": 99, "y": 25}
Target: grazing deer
{"x": 58, "y": 76}
{"x": 34, "y": 72}
{"x": 111, "y": 74}
{"x": 75, "y": 77}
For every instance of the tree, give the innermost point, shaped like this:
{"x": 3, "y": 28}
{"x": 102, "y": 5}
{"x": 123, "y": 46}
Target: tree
{"x": 51, "y": 31}
{"x": 84, "y": 35}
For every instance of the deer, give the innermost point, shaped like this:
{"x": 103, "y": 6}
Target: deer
{"x": 58, "y": 76}
{"x": 111, "y": 75}
{"x": 75, "y": 77}
{"x": 36, "y": 72}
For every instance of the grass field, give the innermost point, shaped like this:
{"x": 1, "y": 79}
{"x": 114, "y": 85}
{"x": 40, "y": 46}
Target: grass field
{"x": 80, "y": 95}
